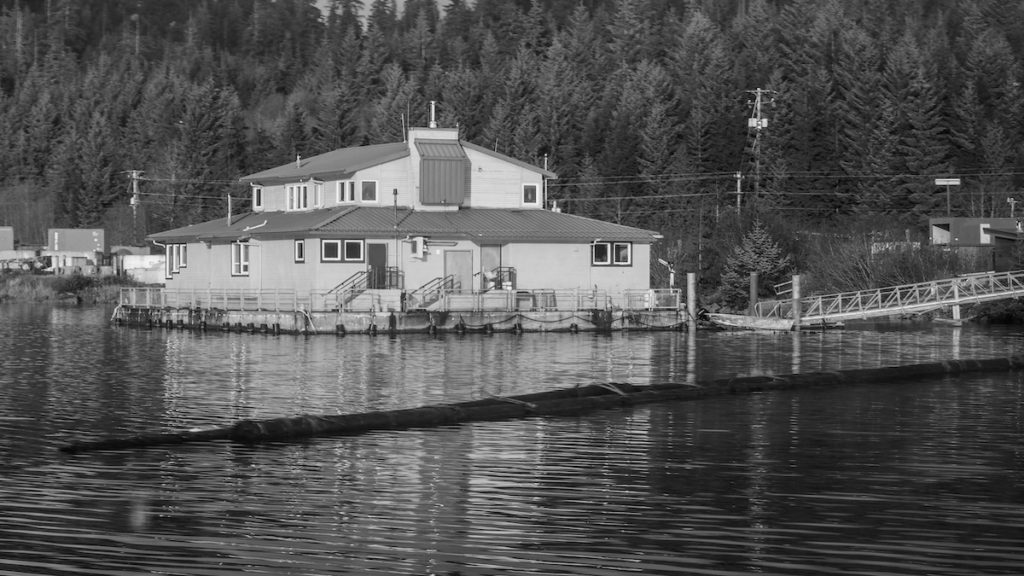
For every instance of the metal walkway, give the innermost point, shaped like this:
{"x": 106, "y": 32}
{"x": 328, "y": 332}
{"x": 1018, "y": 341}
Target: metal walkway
{"x": 906, "y": 299}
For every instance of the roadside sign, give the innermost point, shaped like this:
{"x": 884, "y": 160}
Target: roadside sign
{"x": 947, "y": 181}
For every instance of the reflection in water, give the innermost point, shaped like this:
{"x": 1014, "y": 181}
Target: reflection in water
{"x": 909, "y": 478}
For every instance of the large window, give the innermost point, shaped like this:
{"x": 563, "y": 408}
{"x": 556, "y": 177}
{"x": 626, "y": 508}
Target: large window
{"x": 611, "y": 254}
{"x": 298, "y": 197}
{"x": 341, "y": 250}
{"x": 369, "y": 191}
{"x": 530, "y": 195}
{"x": 240, "y": 259}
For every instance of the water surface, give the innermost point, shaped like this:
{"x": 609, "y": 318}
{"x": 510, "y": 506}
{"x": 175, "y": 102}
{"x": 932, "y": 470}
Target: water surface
{"x": 912, "y": 478}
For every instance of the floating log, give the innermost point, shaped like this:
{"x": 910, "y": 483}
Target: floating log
{"x": 562, "y": 402}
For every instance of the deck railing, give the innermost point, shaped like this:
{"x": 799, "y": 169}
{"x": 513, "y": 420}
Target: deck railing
{"x": 372, "y": 300}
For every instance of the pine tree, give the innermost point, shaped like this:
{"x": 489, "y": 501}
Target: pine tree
{"x": 757, "y": 253}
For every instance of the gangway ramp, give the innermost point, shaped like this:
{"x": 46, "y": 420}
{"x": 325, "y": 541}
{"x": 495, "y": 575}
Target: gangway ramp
{"x": 896, "y": 300}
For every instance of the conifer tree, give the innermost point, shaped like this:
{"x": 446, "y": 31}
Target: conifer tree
{"x": 757, "y": 253}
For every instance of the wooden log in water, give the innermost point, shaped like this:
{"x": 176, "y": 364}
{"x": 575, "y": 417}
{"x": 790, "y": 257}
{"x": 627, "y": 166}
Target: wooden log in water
{"x": 562, "y": 402}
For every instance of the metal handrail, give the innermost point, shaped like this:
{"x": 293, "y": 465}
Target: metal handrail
{"x": 906, "y": 298}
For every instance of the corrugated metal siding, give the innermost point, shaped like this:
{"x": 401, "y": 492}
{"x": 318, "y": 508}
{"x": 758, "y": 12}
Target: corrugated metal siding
{"x": 443, "y": 181}
{"x": 444, "y": 172}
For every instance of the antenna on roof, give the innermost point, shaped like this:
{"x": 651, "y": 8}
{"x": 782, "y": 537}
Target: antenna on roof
{"x": 433, "y": 121}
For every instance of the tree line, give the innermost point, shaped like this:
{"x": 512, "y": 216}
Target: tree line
{"x": 672, "y": 115}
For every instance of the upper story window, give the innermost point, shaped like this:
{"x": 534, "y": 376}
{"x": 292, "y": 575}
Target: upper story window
{"x": 346, "y": 191}
{"x": 257, "y": 197}
{"x": 530, "y": 194}
{"x": 318, "y": 194}
{"x": 300, "y": 250}
{"x": 611, "y": 254}
{"x": 298, "y": 197}
{"x": 369, "y": 191}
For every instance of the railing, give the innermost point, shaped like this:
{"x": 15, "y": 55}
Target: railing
{"x": 907, "y": 298}
{"x": 353, "y": 283}
{"x": 430, "y": 293}
{"x": 448, "y": 299}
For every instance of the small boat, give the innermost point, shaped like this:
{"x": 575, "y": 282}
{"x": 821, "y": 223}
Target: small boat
{"x": 745, "y": 322}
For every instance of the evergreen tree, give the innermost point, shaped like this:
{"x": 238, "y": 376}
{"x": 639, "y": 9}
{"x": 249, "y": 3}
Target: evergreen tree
{"x": 758, "y": 253}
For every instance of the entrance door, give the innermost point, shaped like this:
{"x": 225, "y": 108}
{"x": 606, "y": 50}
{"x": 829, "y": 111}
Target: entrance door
{"x": 459, "y": 264}
{"x": 376, "y": 266}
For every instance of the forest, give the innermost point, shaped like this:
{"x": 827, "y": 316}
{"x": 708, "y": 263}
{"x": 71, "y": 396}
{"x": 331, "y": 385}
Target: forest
{"x": 695, "y": 118}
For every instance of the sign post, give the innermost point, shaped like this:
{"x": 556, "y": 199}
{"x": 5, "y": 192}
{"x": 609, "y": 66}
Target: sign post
{"x": 947, "y": 182}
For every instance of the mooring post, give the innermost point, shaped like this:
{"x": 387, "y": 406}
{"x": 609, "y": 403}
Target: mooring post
{"x": 753, "y": 294}
{"x": 796, "y": 302}
{"x": 691, "y": 298}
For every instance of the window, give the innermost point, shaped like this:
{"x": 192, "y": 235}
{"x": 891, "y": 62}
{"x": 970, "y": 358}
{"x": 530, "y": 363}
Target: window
{"x": 346, "y": 191}
{"x": 353, "y": 250}
{"x": 369, "y": 188}
{"x": 239, "y": 259}
{"x": 600, "y": 254}
{"x": 611, "y": 254}
{"x": 341, "y": 250}
{"x": 298, "y": 197}
{"x": 177, "y": 258}
{"x": 174, "y": 254}
{"x": 257, "y": 197}
{"x": 530, "y": 194}
{"x": 622, "y": 253}
{"x": 330, "y": 250}
{"x": 300, "y": 250}
{"x": 318, "y": 194}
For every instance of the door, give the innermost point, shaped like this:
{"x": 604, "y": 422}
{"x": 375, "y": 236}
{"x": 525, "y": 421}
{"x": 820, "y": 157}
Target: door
{"x": 459, "y": 265}
{"x": 377, "y": 266}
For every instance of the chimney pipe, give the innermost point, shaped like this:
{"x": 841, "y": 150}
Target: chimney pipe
{"x": 298, "y": 161}
{"x": 433, "y": 122}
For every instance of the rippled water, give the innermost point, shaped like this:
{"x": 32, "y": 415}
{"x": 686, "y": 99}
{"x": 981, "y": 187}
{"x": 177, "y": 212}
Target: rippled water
{"x": 910, "y": 478}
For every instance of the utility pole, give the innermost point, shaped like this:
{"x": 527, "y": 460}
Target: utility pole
{"x": 758, "y": 122}
{"x": 136, "y": 175}
{"x": 739, "y": 190}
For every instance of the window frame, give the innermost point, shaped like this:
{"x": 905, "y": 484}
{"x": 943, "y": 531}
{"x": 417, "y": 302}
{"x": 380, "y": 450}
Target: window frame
{"x": 240, "y": 258}
{"x": 346, "y": 193}
{"x": 299, "y": 251}
{"x": 607, "y": 260}
{"x": 536, "y": 194}
{"x": 257, "y": 197}
{"x": 362, "y": 250}
{"x": 628, "y": 260}
{"x": 324, "y": 242}
{"x": 298, "y": 197}
{"x": 363, "y": 191}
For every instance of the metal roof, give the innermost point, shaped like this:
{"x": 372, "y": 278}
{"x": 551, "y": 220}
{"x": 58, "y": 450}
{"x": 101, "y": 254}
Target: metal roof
{"x": 440, "y": 149}
{"x": 338, "y": 164}
{"x": 482, "y": 225}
